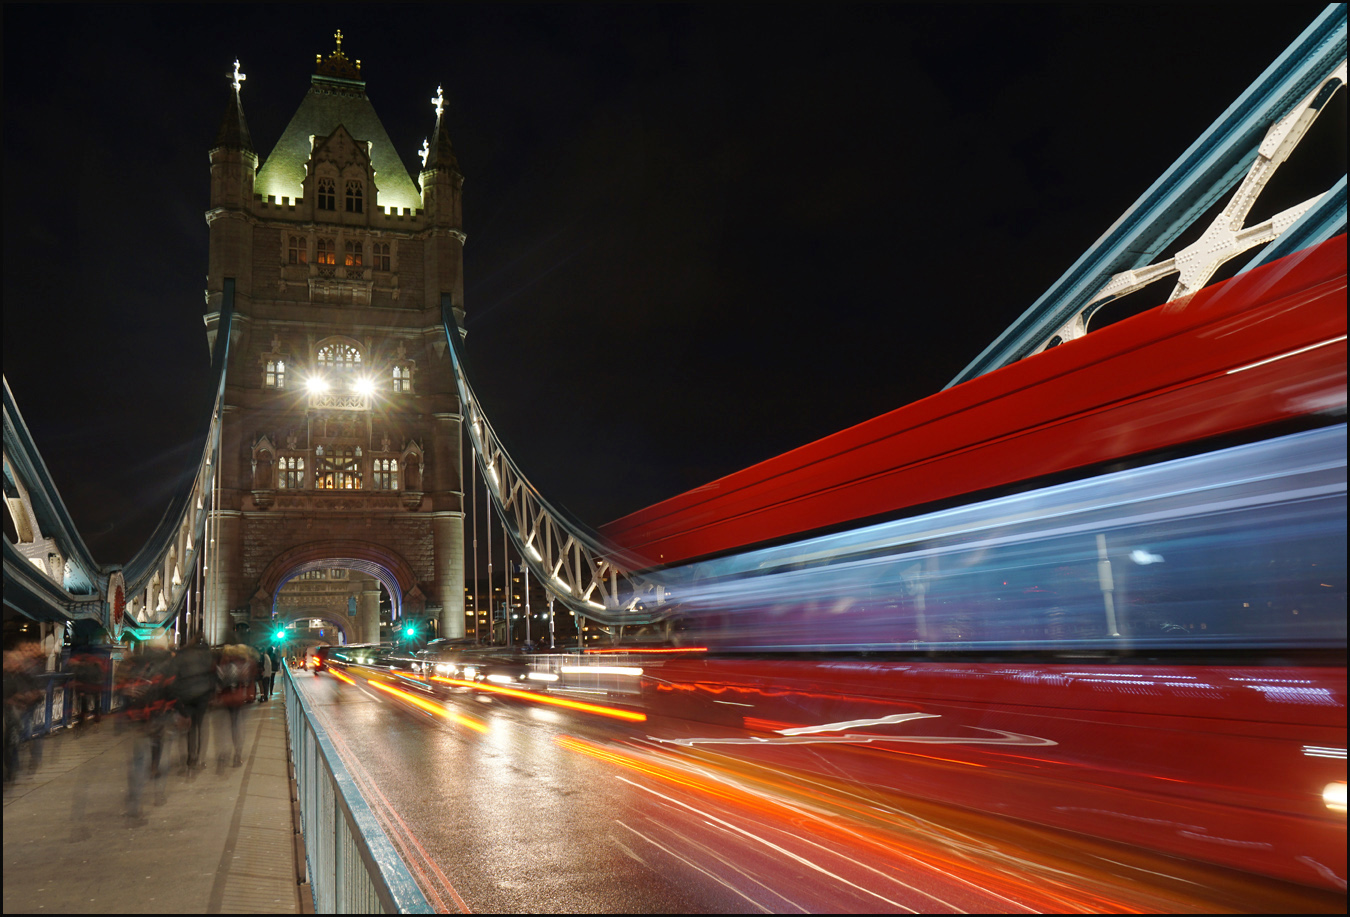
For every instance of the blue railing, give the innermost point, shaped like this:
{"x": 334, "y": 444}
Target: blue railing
{"x": 352, "y": 866}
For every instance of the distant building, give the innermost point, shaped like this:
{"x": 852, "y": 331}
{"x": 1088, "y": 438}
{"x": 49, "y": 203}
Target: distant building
{"x": 341, "y": 445}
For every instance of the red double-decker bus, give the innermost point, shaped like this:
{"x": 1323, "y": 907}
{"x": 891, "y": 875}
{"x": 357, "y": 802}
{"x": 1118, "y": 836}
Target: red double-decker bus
{"x": 1107, "y": 583}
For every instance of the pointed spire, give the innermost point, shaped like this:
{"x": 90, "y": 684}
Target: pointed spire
{"x": 233, "y": 133}
{"x": 441, "y": 154}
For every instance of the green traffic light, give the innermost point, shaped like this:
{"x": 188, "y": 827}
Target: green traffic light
{"x": 281, "y": 635}
{"x": 411, "y": 630}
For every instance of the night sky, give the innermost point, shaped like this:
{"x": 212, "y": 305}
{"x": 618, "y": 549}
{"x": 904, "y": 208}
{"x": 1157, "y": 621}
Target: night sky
{"x": 698, "y": 236}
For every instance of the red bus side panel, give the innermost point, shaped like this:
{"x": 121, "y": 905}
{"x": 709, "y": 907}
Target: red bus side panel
{"x": 1265, "y": 346}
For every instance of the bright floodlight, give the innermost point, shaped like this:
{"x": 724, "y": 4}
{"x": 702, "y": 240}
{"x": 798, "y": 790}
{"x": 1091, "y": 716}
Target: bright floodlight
{"x": 316, "y": 384}
{"x": 364, "y": 386}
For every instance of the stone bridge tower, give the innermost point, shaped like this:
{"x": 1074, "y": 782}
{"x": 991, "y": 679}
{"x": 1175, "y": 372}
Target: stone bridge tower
{"x": 341, "y": 446}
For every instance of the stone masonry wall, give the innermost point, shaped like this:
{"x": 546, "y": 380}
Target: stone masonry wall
{"x": 267, "y": 535}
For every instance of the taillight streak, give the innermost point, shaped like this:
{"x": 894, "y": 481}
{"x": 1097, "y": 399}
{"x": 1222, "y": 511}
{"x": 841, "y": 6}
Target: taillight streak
{"x": 429, "y": 707}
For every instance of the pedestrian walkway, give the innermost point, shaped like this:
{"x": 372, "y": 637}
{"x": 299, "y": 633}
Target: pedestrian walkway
{"x": 219, "y": 839}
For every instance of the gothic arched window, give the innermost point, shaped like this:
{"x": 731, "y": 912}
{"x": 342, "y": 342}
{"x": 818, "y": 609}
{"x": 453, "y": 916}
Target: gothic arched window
{"x": 354, "y": 252}
{"x": 327, "y": 194}
{"x": 339, "y": 469}
{"x": 386, "y": 474}
{"x": 353, "y": 197}
{"x": 327, "y": 252}
{"x": 276, "y": 374}
{"x": 381, "y": 253}
{"x": 292, "y": 472}
{"x": 340, "y": 357}
{"x": 402, "y": 379}
{"x": 299, "y": 250}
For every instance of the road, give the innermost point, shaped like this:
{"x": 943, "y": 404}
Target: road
{"x": 505, "y": 804}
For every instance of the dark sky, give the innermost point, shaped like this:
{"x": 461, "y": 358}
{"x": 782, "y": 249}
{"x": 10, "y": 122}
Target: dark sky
{"x": 698, "y": 235}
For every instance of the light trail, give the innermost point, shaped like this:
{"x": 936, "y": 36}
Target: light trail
{"x": 393, "y": 824}
{"x": 429, "y": 707}
{"x": 827, "y": 822}
{"x": 613, "y": 712}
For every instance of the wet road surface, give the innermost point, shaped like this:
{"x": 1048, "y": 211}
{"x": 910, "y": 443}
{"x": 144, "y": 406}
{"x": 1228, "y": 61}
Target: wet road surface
{"x": 504, "y": 804}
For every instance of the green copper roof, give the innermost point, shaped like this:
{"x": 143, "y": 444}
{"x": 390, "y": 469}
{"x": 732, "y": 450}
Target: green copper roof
{"x": 328, "y": 103}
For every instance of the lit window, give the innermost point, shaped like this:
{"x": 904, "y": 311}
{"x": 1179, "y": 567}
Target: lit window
{"x": 353, "y": 258}
{"x": 381, "y": 253}
{"x": 292, "y": 475}
{"x": 402, "y": 379}
{"x": 327, "y": 194}
{"x": 299, "y": 250}
{"x": 386, "y": 474}
{"x": 340, "y": 469}
{"x": 353, "y": 197}
{"x": 327, "y": 252}
{"x": 340, "y": 357}
{"x": 276, "y": 374}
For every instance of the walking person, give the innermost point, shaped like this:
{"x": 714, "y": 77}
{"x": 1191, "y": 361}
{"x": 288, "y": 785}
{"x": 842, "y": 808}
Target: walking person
{"x": 278, "y": 659}
{"x": 264, "y": 676}
{"x": 194, "y": 686}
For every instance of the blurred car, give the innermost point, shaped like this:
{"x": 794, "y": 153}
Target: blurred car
{"x": 368, "y": 654}
{"x": 464, "y": 660}
{"x": 320, "y": 656}
{"x": 437, "y": 657}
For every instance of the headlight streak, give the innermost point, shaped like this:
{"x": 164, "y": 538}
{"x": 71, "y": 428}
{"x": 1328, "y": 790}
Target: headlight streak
{"x": 613, "y": 712}
{"x": 643, "y": 651}
{"x": 826, "y": 822}
{"x": 601, "y": 670}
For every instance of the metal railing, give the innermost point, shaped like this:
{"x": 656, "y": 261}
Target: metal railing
{"x": 352, "y": 866}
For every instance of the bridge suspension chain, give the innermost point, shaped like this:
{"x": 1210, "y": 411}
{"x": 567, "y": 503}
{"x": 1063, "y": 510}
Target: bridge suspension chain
{"x": 589, "y": 577}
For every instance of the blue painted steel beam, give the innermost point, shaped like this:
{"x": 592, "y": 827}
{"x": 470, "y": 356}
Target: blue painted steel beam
{"x": 1213, "y": 165}
{"x": 31, "y": 592}
{"x": 34, "y": 595}
{"x": 52, "y": 516}
{"x": 1324, "y": 221}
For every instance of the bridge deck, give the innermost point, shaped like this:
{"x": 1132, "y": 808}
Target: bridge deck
{"x": 222, "y": 841}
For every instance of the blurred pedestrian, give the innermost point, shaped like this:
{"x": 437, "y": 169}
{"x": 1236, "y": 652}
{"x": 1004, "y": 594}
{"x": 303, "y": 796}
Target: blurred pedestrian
{"x": 88, "y": 671}
{"x": 194, "y": 685}
{"x": 22, "y": 693}
{"x": 150, "y": 705}
{"x": 237, "y": 675}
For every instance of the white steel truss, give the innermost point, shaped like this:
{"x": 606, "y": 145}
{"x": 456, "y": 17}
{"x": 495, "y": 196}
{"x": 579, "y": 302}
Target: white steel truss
{"x": 590, "y": 578}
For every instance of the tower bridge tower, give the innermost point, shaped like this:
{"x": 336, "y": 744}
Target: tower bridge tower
{"x": 341, "y": 443}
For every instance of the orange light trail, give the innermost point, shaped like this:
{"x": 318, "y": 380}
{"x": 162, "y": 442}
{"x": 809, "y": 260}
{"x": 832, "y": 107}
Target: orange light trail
{"x": 342, "y": 675}
{"x": 428, "y": 706}
{"x": 878, "y": 842}
{"x": 614, "y": 712}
